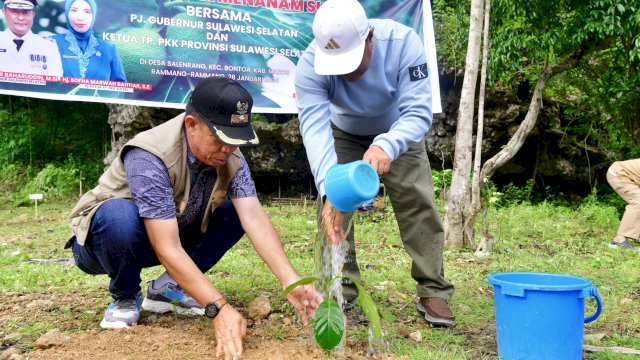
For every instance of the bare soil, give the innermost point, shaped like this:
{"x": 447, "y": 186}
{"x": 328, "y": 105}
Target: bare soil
{"x": 166, "y": 336}
{"x": 163, "y": 341}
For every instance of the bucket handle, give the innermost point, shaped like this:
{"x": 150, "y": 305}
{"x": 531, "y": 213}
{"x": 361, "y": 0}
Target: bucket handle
{"x": 593, "y": 292}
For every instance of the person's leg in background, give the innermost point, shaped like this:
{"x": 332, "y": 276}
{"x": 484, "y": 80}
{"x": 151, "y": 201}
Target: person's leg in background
{"x": 629, "y": 191}
{"x": 410, "y": 189}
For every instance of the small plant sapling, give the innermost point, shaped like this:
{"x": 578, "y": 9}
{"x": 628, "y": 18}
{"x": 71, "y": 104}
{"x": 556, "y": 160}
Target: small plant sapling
{"x": 328, "y": 324}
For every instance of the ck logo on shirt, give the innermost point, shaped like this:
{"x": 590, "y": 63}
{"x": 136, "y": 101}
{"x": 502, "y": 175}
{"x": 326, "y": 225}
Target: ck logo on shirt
{"x": 418, "y": 72}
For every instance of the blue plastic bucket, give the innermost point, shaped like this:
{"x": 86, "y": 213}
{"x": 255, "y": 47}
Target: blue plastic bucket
{"x": 350, "y": 185}
{"x": 541, "y": 316}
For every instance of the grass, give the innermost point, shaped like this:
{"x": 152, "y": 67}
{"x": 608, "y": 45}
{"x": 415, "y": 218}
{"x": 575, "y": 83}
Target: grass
{"x": 540, "y": 238}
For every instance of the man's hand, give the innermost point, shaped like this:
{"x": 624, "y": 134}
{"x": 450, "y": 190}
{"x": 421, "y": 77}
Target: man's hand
{"x": 306, "y": 300}
{"x": 378, "y": 159}
{"x": 332, "y": 220}
{"x": 231, "y": 328}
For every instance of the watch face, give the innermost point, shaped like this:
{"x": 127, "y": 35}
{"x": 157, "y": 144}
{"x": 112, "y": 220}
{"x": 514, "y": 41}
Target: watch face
{"x": 211, "y": 310}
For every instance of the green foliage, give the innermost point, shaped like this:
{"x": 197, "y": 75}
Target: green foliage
{"x": 16, "y": 135}
{"x": 451, "y": 27}
{"x": 328, "y": 324}
{"x": 529, "y": 33}
{"x": 533, "y": 238}
{"x": 55, "y": 180}
{"x": 601, "y": 93}
{"x": 259, "y": 118}
{"x": 46, "y": 146}
{"x": 10, "y": 176}
{"x": 329, "y": 319}
{"x": 35, "y": 132}
{"x": 441, "y": 180}
{"x": 369, "y": 307}
{"x": 602, "y": 111}
{"x": 512, "y": 194}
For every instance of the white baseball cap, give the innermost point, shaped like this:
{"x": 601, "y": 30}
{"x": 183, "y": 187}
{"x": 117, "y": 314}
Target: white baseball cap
{"x": 340, "y": 28}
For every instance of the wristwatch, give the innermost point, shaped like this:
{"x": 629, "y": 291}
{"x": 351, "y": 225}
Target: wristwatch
{"x": 213, "y": 308}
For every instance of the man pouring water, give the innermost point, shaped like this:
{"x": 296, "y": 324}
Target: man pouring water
{"x": 363, "y": 93}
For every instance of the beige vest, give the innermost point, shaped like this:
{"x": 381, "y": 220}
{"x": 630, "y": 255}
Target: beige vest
{"x": 168, "y": 142}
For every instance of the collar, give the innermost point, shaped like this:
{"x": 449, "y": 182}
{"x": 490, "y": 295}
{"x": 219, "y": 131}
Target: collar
{"x": 191, "y": 160}
{"x": 14, "y": 36}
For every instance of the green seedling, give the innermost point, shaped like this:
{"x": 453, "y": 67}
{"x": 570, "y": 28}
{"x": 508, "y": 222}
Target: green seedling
{"x": 328, "y": 324}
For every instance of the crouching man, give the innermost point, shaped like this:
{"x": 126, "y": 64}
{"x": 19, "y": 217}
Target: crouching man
{"x": 181, "y": 195}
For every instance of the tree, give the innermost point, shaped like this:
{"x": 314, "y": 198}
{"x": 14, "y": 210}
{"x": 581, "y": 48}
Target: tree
{"x": 458, "y": 211}
{"x": 542, "y": 40}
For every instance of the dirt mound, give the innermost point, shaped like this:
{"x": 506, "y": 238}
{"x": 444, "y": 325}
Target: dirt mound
{"x": 153, "y": 343}
{"x": 169, "y": 338}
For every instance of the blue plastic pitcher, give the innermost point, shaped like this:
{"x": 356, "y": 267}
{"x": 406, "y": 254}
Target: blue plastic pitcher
{"x": 350, "y": 185}
{"x": 541, "y": 316}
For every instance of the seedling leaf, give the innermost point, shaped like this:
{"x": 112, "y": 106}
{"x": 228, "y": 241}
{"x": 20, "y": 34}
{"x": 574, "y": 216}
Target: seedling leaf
{"x": 387, "y": 316}
{"x": 303, "y": 281}
{"x": 369, "y": 307}
{"x": 328, "y": 324}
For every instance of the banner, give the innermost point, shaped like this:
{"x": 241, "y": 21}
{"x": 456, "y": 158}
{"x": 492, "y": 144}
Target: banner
{"x": 153, "y": 52}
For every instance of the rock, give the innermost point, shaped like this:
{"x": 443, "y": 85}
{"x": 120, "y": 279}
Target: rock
{"x": 385, "y": 285}
{"x": 9, "y": 353}
{"x": 44, "y": 305}
{"x": 594, "y": 337}
{"x": 403, "y": 332}
{"x": 397, "y": 297}
{"x": 416, "y": 336}
{"x": 259, "y": 308}
{"x": 52, "y": 338}
{"x": 11, "y": 339}
{"x": 128, "y": 120}
{"x": 464, "y": 308}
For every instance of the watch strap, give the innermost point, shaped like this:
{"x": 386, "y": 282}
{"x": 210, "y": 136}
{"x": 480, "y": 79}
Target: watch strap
{"x": 213, "y": 308}
{"x": 221, "y": 302}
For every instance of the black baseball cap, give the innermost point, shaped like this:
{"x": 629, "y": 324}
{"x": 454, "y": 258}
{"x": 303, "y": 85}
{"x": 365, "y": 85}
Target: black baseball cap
{"x": 226, "y": 108}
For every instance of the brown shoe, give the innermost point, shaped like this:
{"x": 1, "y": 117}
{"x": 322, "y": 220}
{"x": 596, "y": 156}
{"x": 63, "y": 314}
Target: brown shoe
{"x": 436, "y": 312}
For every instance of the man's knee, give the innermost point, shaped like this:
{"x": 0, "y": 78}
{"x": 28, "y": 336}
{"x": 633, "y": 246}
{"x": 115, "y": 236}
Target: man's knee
{"x": 118, "y": 222}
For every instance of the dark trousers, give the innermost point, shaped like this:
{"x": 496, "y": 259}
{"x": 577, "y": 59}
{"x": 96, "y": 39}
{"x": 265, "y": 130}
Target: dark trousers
{"x": 410, "y": 190}
{"x": 117, "y": 244}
